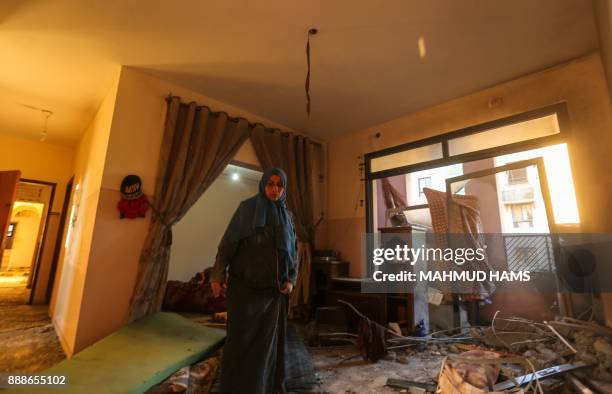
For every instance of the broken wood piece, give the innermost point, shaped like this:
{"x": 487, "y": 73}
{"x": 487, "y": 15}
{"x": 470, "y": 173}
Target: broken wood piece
{"x": 587, "y": 327}
{"x": 474, "y": 371}
{"x": 578, "y": 385}
{"x": 565, "y": 342}
{"x": 465, "y": 346}
{"x": 220, "y": 317}
{"x": 395, "y": 328}
{"x": 600, "y": 386}
{"x": 541, "y": 374}
{"x": 411, "y": 385}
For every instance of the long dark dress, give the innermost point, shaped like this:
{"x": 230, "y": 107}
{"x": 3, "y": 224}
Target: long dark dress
{"x": 254, "y": 351}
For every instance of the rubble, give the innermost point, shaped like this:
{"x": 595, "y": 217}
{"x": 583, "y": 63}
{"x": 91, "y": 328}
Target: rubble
{"x": 510, "y": 352}
{"x": 538, "y": 353}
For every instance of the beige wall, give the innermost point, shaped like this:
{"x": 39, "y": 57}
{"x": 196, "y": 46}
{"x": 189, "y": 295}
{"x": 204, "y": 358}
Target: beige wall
{"x": 40, "y": 161}
{"x": 28, "y": 217}
{"x": 73, "y": 268}
{"x": 133, "y": 149}
{"x": 197, "y": 235}
{"x": 580, "y": 83}
{"x": 603, "y": 13}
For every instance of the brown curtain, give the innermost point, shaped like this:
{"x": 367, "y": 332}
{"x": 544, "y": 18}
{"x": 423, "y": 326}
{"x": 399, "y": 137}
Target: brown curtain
{"x": 294, "y": 154}
{"x": 197, "y": 145}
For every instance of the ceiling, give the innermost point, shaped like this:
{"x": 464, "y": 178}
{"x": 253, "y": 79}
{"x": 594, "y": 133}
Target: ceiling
{"x": 366, "y": 69}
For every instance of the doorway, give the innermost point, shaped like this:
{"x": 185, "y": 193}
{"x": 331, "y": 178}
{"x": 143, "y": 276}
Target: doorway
{"x": 24, "y": 251}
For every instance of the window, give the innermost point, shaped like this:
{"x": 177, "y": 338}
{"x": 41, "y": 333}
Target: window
{"x": 407, "y": 157}
{"x": 508, "y": 134}
{"x": 517, "y": 176}
{"x": 431, "y": 162}
{"x": 424, "y": 182}
{"x": 522, "y": 215}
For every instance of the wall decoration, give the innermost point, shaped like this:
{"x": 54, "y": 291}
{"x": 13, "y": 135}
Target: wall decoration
{"x": 133, "y": 203}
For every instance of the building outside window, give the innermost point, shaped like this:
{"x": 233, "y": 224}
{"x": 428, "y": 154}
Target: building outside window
{"x": 424, "y": 182}
{"x": 517, "y": 176}
{"x": 522, "y": 215}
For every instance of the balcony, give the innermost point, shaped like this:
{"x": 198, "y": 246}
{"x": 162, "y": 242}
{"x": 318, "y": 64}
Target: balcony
{"x": 518, "y": 195}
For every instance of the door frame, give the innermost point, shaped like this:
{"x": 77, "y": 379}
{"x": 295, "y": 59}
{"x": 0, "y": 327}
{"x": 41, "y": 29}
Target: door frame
{"x": 60, "y": 237}
{"x": 44, "y": 235}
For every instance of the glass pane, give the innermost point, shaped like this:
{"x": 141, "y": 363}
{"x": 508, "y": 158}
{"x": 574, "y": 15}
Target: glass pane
{"x": 433, "y": 178}
{"x": 517, "y": 132}
{"x": 407, "y": 157}
{"x": 558, "y": 174}
{"x": 505, "y": 207}
{"x": 510, "y": 219}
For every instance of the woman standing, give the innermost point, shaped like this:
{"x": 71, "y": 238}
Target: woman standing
{"x": 259, "y": 247}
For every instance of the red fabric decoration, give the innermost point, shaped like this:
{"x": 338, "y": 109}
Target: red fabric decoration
{"x": 131, "y": 209}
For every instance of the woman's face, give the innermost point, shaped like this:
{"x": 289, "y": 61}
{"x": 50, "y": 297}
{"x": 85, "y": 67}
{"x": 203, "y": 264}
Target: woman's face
{"x": 274, "y": 188}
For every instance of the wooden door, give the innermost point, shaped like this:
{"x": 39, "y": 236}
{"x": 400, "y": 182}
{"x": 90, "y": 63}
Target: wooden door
{"x": 8, "y": 193}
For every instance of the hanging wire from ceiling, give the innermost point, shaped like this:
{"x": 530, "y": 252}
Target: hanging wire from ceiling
{"x": 43, "y": 134}
{"x": 311, "y": 32}
{"x": 47, "y": 114}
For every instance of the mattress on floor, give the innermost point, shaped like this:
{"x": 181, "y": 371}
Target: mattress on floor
{"x": 134, "y": 358}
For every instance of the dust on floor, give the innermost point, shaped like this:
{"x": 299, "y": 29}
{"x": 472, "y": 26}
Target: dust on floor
{"x": 28, "y": 342}
{"x": 342, "y": 370}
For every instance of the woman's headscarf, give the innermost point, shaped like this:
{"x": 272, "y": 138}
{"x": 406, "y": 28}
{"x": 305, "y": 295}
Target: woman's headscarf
{"x": 259, "y": 211}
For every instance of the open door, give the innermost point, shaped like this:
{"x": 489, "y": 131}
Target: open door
{"x": 8, "y": 193}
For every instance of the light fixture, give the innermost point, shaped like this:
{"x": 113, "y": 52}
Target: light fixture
{"x": 235, "y": 176}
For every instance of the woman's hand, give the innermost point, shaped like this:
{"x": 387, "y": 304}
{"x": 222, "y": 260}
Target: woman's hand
{"x": 216, "y": 288}
{"x": 287, "y": 287}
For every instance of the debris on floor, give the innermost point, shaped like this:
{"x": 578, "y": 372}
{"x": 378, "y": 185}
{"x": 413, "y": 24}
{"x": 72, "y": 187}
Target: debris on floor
{"x": 196, "y": 378}
{"x": 28, "y": 342}
{"x": 510, "y": 354}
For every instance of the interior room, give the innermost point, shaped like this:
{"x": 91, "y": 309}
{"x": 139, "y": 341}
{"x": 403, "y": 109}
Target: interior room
{"x": 464, "y": 144}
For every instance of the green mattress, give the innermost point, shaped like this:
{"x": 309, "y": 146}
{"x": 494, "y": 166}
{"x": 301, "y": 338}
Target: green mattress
{"x": 134, "y": 358}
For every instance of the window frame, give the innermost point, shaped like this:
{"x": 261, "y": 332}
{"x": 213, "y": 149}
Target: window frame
{"x": 564, "y": 135}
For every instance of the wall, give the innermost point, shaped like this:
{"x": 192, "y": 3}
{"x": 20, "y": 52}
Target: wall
{"x": 580, "y": 83}
{"x": 197, "y": 235}
{"x": 133, "y": 149}
{"x": 40, "y": 161}
{"x": 603, "y": 13}
{"x": 28, "y": 216}
{"x": 66, "y": 301}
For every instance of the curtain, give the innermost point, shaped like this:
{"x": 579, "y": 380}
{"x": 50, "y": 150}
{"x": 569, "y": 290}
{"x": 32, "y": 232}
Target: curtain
{"x": 294, "y": 154}
{"x": 197, "y": 145}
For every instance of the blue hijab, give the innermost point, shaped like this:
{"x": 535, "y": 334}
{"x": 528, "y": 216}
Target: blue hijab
{"x": 259, "y": 211}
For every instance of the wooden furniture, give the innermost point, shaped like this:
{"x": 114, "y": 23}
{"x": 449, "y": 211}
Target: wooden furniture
{"x": 332, "y": 284}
